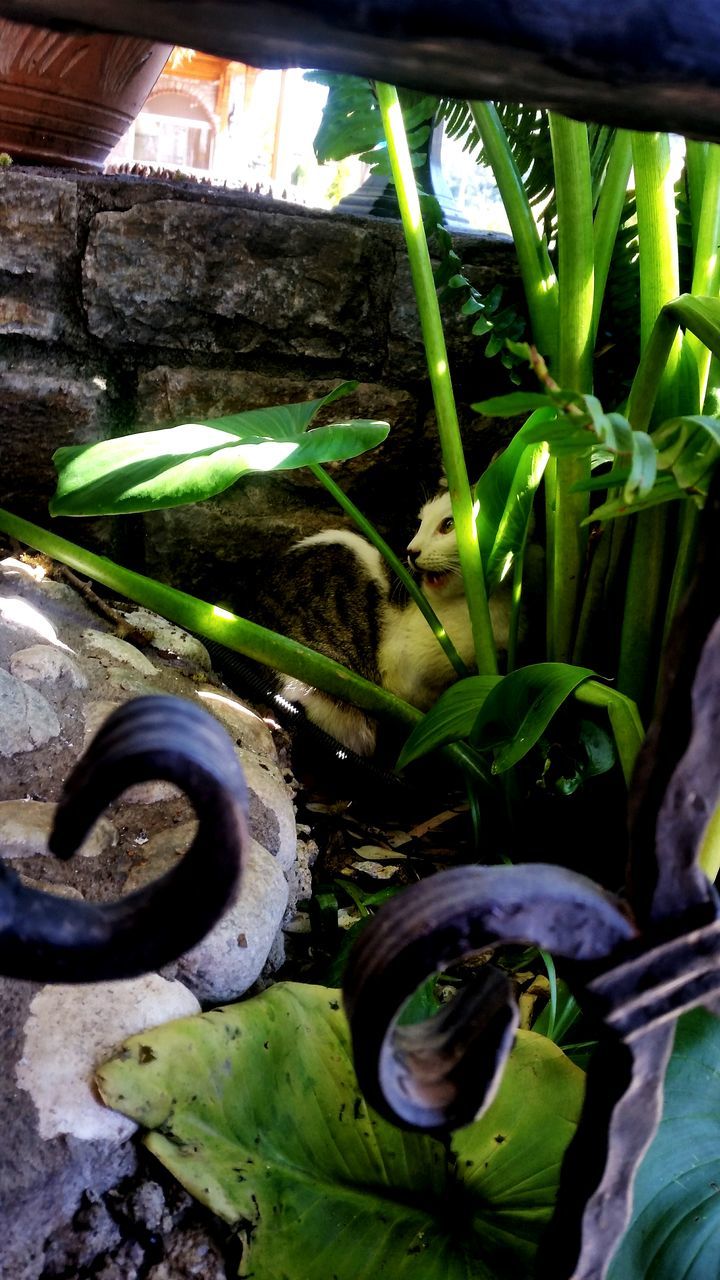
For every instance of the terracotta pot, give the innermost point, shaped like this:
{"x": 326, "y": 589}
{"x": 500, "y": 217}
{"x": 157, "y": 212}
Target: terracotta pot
{"x": 67, "y": 99}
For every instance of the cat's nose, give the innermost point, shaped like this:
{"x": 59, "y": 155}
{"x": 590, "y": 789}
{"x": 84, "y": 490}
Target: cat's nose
{"x": 412, "y": 555}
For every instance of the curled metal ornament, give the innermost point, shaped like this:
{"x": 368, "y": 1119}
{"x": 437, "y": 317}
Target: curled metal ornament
{"x": 633, "y": 976}
{"x": 50, "y": 939}
{"x": 437, "y": 1074}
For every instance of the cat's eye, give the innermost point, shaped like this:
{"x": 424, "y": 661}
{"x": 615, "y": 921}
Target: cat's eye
{"x": 446, "y": 525}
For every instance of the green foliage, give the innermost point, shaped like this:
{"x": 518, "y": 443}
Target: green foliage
{"x": 351, "y": 124}
{"x": 167, "y": 468}
{"x": 256, "y": 1110}
{"x": 450, "y": 718}
{"x": 501, "y": 326}
{"x": 506, "y": 716}
{"x": 674, "y": 1233}
{"x": 505, "y": 494}
{"x": 518, "y": 710}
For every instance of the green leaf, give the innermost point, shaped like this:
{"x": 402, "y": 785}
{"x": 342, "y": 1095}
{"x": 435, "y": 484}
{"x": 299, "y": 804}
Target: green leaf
{"x": 512, "y": 529}
{"x": 176, "y": 465}
{"x": 700, "y": 315}
{"x": 512, "y": 405}
{"x": 255, "y": 1109}
{"x": 665, "y": 489}
{"x": 674, "y": 1232}
{"x": 351, "y": 124}
{"x": 518, "y": 710}
{"x": 449, "y": 719}
{"x": 505, "y": 492}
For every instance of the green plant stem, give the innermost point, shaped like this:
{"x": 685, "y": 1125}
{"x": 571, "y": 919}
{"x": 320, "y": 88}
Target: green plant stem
{"x": 217, "y": 624}
{"x": 624, "y": 719}
{"x": 657, "y": 233}
{"x": 607, "y": 217}
{"x": 684, "y": 560}
{"x": 695, "y": 160}
{"x": 396, "y": 565}
{"x": 536, "y": 269}
{"x": 439, "y": 372}
{"x": 236, "y": 633}
{"x": 650, "y": 371}
{"x": 659, "y": 284}
{"x": 706, "y": 270}
{"x": 567, "y": 509}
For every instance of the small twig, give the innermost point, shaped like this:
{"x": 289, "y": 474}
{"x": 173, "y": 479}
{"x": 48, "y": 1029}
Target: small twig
{"x": 124, "y": 630}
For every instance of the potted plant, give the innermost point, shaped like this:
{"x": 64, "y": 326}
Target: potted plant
{"x": 67, "y": 99}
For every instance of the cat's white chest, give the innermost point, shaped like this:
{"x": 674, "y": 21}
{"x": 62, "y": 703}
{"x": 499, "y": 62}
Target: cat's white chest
{"x": 412, "y": 664}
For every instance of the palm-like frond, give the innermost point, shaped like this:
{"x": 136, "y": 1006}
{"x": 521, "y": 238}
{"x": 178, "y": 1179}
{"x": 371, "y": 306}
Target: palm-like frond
{"x": 528, "y": 136}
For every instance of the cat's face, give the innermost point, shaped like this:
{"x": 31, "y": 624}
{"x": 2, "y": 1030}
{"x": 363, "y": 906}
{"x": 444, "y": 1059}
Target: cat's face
{"x": 433, "y": 551}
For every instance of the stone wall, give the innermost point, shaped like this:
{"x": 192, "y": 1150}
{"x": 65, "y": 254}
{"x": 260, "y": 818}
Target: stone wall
{"x": 130, "y": 302}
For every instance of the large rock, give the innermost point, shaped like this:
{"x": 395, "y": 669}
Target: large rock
{"x": 38, "y": 244}
{"x": 209, "y": 277}
{"x": 46, "y": 403}
{"x": 62, "y": 672}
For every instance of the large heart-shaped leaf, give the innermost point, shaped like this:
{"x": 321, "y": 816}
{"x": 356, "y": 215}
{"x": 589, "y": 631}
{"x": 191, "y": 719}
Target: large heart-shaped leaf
{"x": 519, "y": 709}
{"x": 674, "y": 1233}
{"x": 255, "y": 1109}
{"x": 449, "y": 719}
{"x": 177, "y": 465}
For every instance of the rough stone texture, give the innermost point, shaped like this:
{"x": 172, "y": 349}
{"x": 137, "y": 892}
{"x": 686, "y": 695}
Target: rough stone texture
{"x": 25, "y": 827}
{"x": 38, "y": 247}
{"x": 41, "y": 1181}
{"x": 63, "y": 1154}
{"x": 49, "y": 400}
{"x": 233, "y": 955}
{"x": 190, "y": 277}
{"x": 43, "y": 662}
{"x": 26, "y": 718}
{"x": 70, "y": 1031}
{"x": 167, "y": 302}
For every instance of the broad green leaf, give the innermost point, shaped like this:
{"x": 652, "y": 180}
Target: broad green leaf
{"x": 665, "y": 489}
{"x": 449, "y": 719}
{"x": 700, "y": 315}
{"x": 497, "y": 489}
{"x": 512, "y": 404}
{"x": 689, "y": 447}
{"x": 176, "y": 465}
{"x": 255, "y": 1109}
{"x": 513, "y": 527}
{"x": 510, "y": 1158}
{"x": 519, "y": 709}
{"x": 674, "y": 1232}
{"x": 351, "y": 122}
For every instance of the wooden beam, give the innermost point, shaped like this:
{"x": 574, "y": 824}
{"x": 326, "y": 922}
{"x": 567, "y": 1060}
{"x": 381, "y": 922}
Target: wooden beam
{"x": 651, "y": 64}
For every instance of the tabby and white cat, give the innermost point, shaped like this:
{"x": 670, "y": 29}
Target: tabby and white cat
{"x": 332, "y": 591}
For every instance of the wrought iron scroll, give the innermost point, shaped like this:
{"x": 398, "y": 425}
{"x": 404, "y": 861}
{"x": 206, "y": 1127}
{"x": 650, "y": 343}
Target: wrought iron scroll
{"x": 51, "y": 939}
{"x": 634, "y": 964}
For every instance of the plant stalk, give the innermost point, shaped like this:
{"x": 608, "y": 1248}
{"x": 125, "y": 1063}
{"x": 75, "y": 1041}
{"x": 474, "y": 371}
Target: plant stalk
{"x": 217, "y": 624}
{"x": 695, "y": 161}
{"x": 536, "y": 269}
{"x": 706, "y": 270}
{"x": 659, "y": 284}
{"x": 439, "y": 371}
{"x": 566, "y": 509}
{"x": 607, "y": 217}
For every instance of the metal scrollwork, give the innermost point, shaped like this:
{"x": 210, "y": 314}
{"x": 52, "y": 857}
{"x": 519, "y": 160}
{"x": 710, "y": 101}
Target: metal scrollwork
{"x": 634, "y": 964}
{"x": 50, "y": 939}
